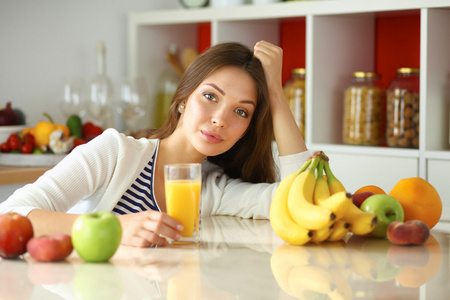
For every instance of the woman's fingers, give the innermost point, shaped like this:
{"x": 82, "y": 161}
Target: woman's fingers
{"x": 149, "y": 228}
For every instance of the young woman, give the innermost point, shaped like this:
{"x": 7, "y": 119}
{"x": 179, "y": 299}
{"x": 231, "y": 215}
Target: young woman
{"x": 228, "y": 108}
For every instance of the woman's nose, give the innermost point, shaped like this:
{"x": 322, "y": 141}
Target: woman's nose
{"x": 219, "y": 119}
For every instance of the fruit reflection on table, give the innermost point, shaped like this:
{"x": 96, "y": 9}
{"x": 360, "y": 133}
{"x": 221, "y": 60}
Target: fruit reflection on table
{"x": 359, "y": 265}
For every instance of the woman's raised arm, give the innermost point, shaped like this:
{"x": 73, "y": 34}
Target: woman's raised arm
{"x": 287, "y": 134}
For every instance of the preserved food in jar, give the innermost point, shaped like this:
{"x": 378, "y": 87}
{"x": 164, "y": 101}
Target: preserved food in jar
{"x": 402, "y": 113}
{"x": 364, "y": 105}
{"x": 294, "y": 90}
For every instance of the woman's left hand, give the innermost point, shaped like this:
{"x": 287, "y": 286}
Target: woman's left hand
{"x": 271, "y": 58}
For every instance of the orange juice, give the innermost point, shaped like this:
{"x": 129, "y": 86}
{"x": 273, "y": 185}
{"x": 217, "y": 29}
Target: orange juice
{"x": 183, "y": 200}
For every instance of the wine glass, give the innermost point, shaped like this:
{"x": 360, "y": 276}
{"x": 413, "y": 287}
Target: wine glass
{"x": 132, "y": 101}
{"x": 73, "y": 101}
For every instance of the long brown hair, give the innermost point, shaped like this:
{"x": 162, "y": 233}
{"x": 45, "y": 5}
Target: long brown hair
{"x": 251, "y": 157}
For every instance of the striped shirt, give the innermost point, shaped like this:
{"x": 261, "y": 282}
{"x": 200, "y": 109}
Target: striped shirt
{"x": 139, "y": 196}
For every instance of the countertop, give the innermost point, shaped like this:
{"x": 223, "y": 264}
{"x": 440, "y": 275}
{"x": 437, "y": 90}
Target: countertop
{"x": 242, "y": 259}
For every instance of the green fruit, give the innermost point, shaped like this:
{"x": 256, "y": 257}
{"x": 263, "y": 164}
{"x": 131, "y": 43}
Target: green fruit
{"x": 75, "y": 126}
{"x": 387, "y": 209}
{"x": 96, "y": 236}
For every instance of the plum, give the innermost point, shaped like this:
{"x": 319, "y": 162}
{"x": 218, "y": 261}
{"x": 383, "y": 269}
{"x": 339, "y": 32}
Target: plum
{"x": 359, "y": 198}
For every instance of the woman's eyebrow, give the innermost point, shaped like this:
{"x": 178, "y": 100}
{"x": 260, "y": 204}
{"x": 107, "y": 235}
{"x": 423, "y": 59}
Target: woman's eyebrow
{"x": 217, "y": 88}
{"x": 223, "y": 93}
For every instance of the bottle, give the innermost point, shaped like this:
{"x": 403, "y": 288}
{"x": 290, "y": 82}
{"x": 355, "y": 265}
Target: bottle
{"x": 402, "y": 111}
{"x": 294, "y": 90}
{"x": 364, "y": 110}
{"x": 166, "y": 86}
{"x": 101, "y": 92}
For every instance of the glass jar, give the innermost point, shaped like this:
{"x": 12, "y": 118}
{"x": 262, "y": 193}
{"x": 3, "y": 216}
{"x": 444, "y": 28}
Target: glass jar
{"x": 402, "y": 110}
{"x": 294, "y": 90}
{"x": 364, "y": 104}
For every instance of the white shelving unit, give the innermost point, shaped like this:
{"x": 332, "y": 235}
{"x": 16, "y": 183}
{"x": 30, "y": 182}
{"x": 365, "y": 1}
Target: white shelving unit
{"x": 340, "y": 38}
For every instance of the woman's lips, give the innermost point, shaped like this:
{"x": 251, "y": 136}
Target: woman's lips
{"x": 212, "y": 137}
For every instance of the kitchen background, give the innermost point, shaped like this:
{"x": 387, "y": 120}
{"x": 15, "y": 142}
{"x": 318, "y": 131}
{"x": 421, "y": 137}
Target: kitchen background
{"x": 45, "y": 42}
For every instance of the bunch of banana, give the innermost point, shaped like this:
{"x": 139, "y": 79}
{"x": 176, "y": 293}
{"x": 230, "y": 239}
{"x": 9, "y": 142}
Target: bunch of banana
{"x": 309, "y": 207}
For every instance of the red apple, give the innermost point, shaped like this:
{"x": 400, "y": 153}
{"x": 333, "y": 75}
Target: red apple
{"x": 53, "y": 247}
{"x": 413, "y": 232}
{"x": 15, "y": 231}
{"x": 359, "y": 198}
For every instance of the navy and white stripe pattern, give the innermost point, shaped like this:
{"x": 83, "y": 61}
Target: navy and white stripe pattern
{"x": 139, "y": 196}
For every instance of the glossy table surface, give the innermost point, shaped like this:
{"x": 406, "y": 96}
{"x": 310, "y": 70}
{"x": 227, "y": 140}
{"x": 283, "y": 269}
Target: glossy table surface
{"x": 242, "y": 259}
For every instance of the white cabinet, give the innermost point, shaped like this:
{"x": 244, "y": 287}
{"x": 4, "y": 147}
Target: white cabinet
{"x": 341, "y": 37}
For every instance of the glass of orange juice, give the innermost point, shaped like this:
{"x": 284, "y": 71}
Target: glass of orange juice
{"x": 183, "y": 189}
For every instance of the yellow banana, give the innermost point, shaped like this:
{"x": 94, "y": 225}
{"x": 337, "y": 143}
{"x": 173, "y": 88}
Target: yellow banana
{"x": 340, "y": 230}
{"x": 334, "y": 184}
{"x": 300, "y": 201}
{"x": 280, "y": 218}
{"x": 338, "y": 203}
{"x": 311, "y": 278}
{"x": 321, "y": 234}
{"x": 361, "y": 222}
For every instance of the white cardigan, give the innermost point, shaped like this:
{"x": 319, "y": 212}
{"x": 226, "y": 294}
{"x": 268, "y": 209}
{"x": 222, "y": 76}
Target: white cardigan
{"x": 94, "y": 176}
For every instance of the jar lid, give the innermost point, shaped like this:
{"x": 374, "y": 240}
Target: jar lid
{"x": 360, "y": 74}
{"x": 408, "y": 70}
{"x": 299, "y": 71}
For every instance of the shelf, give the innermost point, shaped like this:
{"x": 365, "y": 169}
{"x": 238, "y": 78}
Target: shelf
{"x": 331, "y": 39}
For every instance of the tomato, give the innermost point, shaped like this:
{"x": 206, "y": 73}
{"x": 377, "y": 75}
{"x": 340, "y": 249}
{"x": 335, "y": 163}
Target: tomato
{"x": 28, "y": 137}
{"x": 27, "y": 148}
{"x": 14, "y": 141}
{"x": 4, "y": 147}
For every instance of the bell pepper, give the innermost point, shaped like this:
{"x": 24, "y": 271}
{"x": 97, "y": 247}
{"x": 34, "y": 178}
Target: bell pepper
{"x": 75, "y": 125}
{"x": 43, "y": 129}
{"x": 90, "y": 131}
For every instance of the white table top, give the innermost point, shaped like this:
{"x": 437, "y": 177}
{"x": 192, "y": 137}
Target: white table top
{"x": 242, "y": 259}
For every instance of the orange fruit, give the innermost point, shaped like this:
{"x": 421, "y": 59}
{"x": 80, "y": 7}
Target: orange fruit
{"x": 370, "y": 188}
{"x": 419, "y": 199}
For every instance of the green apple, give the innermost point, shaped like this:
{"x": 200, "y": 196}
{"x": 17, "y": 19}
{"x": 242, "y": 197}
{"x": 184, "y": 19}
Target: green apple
{"x": 387, "y": 209}
{"x": 96, "y": 236}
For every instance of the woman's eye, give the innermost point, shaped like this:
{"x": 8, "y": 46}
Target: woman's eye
{"x": 210, "y": 97}
{"x": 242, "y": 113}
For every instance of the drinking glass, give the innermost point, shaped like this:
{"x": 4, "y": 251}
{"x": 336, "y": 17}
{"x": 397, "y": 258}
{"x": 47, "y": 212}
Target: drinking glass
{"x": 183, "y": 191}
{"x": 132, "y": 101}
{"x": 73, "y": 101}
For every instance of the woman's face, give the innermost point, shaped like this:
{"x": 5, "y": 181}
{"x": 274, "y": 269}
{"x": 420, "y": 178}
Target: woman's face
{"x": 218, "y": 112}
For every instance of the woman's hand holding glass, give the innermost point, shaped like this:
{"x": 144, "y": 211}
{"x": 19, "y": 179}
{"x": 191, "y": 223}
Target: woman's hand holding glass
{"x": 149, "y": 228}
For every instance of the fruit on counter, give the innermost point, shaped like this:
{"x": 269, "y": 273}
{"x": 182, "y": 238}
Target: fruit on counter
{"x": 419, "y": 199}
{"x": 96, "y": 236}
{"x": 370, "y": 188}
{"x": 413, "y": 232}
{"x": 359, "y": 198}
{"x": 52, "y": 247}
{"x": 15, "y": 231}
{"x": 337, "y": 203}
{"x": 387, "y": 209}
{"x": 300, "y": 201}
{"x": 8, "y": 116}
{"x": 305, "y": 205}
{"x": 281, "y": 219}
